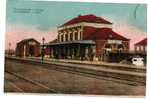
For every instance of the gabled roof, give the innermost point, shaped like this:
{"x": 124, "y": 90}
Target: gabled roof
{"x": 142, "y": 42}
{"x": 26, "y": 40}
{"x": 51, "y": 42}
{"x": 86, "y": 18}
{"x": 54, "y": 41}
{"x": 103, "y": 34}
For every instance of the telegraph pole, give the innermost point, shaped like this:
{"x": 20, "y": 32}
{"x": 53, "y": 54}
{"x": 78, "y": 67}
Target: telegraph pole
{"x": 9, "y": 50}
{"x": 42, "y": 50}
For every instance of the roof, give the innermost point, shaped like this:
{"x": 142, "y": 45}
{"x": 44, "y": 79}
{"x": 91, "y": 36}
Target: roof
{"x": 86, "y": 18}
{"x": 142, "y": 42}
{"x": 72, "y": 42}
{"x": 28, "y": 39}
{"x": 102, "y": 34}
{"x": 54, "y": 41}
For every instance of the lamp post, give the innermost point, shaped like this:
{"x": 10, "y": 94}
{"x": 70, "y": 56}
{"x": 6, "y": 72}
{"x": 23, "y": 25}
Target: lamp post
{"x": 42, "y": 50}
{"x": 9, "y": 52}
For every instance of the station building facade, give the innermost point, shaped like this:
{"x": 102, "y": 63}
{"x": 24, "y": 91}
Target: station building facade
{"x": 141, "y": 46}
{"x": 86, "y": 37}
{"x": 28, "y": 47}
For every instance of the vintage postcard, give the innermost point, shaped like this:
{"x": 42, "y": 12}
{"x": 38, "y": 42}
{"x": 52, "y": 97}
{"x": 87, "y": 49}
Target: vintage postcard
{"x": 80, "y": 48}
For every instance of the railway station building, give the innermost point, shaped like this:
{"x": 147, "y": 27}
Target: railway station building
{"x": 86, "y": 37}
{"x": 28, "y": 47}
{"x": 141, "y": 46}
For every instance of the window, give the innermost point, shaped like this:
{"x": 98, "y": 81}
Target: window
{"x": 137, "y": 48}
{"x": 142, "y": 48}
{"x": 120, "y": 47}
{"x": 76, "y": 35}
{"x": 66, "y": 37}
{"x": 108, "y": 48}
{"x": 145, "y": 48}
{"x": 70, "y": 36}
{"x": 61, "y": 38}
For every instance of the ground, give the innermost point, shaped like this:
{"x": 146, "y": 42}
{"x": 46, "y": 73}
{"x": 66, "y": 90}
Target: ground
{"x": 66, "y": 83}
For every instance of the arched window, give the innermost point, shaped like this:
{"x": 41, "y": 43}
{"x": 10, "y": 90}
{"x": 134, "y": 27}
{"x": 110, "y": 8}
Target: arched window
{"x": 66, "y": 37}
{"x": 70, "y": 36}
{"x": 61, "y": 38}
{"x": 76, "y": 35}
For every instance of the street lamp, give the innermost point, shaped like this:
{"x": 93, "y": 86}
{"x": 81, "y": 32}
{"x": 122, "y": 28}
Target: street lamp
{"x": 42, "y": 50}
{"x": 9, "y": 52}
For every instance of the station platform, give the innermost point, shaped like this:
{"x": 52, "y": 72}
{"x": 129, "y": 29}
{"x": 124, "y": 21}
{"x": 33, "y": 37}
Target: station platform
{"x": 95, "y": 63}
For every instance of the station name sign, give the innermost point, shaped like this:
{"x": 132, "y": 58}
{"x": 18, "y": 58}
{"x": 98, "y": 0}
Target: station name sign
{"x": 114, "y": 42}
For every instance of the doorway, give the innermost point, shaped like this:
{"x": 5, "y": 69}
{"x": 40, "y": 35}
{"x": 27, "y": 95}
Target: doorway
{"x": 31, "y": 50}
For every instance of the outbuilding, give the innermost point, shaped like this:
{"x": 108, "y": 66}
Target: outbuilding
{"x": 141, "y": 46}
{"x": 28, "y": 47}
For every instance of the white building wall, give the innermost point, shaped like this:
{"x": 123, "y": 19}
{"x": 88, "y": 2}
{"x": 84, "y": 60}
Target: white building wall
{"x": 96, "y": 25}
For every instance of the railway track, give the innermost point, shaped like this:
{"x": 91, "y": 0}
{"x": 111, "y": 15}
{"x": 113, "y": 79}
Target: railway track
{"x": 130, "y": 78}
{"x": 131, "y": 68}
{"x": 13, "y": 86}
{"x": 39, "y": 88}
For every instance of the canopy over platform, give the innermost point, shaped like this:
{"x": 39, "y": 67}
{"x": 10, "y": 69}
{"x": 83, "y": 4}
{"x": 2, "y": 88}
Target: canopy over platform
{"x": 71, "y": 42}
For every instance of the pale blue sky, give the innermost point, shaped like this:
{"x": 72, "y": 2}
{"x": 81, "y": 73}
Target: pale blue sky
{"x": 51, "y": 14}
{"x": 37, "y": 19}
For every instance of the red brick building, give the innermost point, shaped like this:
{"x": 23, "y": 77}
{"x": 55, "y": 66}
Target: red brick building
{"x": 28, "y": 47}
{"x": 141, "y": 46}
{"x": 87, "y": 37}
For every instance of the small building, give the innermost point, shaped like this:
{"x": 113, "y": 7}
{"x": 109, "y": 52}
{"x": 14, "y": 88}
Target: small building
{"x": 87, "y": 37}
{"x": 141, "y": 46}
{"x": 28, "y": 47}
{"x": 141, "y": 49}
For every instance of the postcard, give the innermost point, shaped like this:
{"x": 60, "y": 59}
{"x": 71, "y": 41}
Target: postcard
{"x": 75, "y": 48}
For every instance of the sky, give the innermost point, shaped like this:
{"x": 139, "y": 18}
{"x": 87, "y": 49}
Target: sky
{"x": 38, "y": 19}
